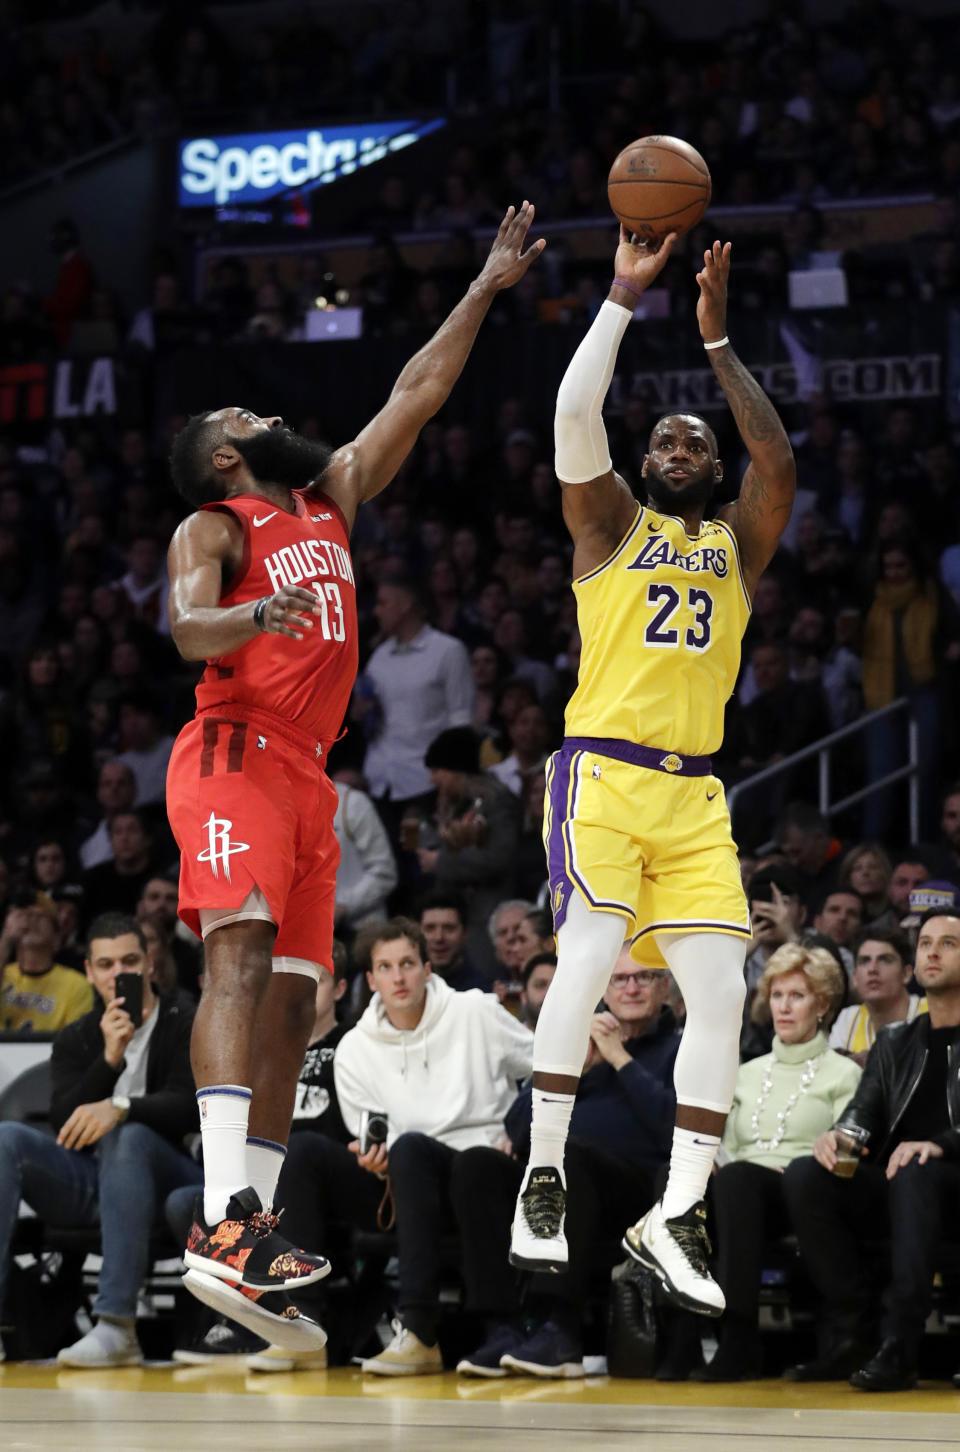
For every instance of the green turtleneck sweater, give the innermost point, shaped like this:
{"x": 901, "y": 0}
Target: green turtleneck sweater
{"x": 828, "y": 1094}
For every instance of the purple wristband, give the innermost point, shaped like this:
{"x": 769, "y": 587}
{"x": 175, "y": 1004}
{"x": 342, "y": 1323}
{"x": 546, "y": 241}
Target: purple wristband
{"x": 620, "y": 282}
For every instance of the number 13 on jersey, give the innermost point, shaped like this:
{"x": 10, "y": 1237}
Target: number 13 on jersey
{"x": 329, "y": 595}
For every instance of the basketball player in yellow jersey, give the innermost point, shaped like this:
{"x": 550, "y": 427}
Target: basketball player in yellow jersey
{"x": 636, "y": 826}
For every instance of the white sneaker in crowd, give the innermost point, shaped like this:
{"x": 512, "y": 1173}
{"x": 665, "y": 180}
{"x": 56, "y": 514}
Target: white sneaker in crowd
{"x": 274, "y": 1358}
{"x": 110, "y": 1343}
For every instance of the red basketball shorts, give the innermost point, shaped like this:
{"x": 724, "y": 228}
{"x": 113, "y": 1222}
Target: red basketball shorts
{"x": 250, "y": 807}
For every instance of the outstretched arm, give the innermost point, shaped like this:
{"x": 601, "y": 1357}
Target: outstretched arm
{"x": 760, "y": 514}
{"x": 597, "y": 504}
{"x": 360, "y": 470}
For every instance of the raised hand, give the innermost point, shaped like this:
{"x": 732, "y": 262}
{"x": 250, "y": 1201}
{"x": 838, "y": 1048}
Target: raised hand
{"x": 712, "y": 303}
{"x": 117, "y": 1028}
{"x": 640, "y": 262}
{"x": 507, "y": 262}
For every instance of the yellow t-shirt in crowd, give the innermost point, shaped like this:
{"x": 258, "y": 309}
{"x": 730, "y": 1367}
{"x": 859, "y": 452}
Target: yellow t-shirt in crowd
{"x": 854, "y": 1030}
{"x": 42, "y": 1003}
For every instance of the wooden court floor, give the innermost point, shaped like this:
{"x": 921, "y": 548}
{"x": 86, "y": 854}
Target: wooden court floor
{"x": 185, "y": 1408}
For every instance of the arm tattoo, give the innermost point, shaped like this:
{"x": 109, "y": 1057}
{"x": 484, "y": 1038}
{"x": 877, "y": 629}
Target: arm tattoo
{"x": 756, "y": 417}
{"x": 767, "y": 492}
{"x": 754, "y": 500}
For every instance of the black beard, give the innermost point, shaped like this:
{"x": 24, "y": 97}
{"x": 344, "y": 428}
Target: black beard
{"x": 695, "y": 494}
{"x": 281, "y": 456}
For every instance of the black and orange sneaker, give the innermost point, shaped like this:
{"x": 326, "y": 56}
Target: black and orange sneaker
{"x": 268, "y": 1314}
{"x": 246, "y": 1249}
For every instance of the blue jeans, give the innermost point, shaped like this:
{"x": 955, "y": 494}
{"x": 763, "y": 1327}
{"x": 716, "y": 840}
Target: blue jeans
{"x": 121, "y": 1187}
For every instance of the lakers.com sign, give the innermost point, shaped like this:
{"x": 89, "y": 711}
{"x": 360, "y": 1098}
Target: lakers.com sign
{"x": 256, "y": 166}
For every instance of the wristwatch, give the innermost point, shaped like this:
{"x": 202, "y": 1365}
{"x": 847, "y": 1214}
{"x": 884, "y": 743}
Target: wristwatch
{"x": 121, "y": 1102}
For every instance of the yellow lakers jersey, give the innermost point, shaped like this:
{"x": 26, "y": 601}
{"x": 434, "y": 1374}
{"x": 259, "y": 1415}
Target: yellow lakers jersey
{"x": 661, "y": 623}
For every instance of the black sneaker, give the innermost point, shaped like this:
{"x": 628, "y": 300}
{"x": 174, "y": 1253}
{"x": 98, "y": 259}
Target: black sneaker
{"x": 269, "y": 1315}
{"x": 538, "y": 1242}
{"x": 246, "y": 1249}
{"x": 551, "y": 1352}
{"x": 221, "y": 1340}
{"x": 892, "y": 1368}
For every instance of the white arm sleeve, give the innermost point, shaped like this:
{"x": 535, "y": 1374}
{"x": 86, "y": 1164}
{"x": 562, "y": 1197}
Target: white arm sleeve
{"x": 580, "y": 439}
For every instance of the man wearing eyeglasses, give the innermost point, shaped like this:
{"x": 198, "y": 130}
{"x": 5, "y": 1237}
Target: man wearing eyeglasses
{"x": 620, "y": 1136}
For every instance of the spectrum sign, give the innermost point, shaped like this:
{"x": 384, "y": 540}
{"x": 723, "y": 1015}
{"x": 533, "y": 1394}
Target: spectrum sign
{"x": 255, "y": 166}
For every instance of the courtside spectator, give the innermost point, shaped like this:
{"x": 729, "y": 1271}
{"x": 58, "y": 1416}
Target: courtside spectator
{"x": 882, "y": 971}
{"x": 37, "y": 994}
{"x": 125, "y": 1088}
{"x": 908, "y": 1184}
{"x": 443, "y": 1067}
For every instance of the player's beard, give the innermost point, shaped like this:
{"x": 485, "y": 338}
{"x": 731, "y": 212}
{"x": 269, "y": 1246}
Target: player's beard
{"x": 281, "y": 456}
{"x": 669, "y": 499}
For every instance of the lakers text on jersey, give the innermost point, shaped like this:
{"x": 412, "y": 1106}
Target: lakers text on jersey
{"x": 635, "y": 821}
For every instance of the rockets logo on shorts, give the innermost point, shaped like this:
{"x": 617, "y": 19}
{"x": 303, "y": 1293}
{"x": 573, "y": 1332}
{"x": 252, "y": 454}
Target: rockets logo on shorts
{"x": 221, "y": 849}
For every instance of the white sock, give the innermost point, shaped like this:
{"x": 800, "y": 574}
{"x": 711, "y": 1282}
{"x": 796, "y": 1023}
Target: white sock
{"x": 691, "y": 1160}
{"x": 264, "y": 1162}
{"x": 548, "y": 1133}
{"x": 224, "y": 1114}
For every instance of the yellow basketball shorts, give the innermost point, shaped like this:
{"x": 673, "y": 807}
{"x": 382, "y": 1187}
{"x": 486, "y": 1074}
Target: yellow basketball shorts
{"x": 652, "y": 844}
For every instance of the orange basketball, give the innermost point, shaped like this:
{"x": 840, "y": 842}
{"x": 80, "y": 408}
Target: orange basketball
{"x": 659, "y": 184}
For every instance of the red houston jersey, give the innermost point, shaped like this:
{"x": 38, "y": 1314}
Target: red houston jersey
{"x": 305, "y": 682}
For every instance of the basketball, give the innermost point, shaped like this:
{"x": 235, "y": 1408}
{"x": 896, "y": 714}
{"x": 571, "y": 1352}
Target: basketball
{"x": 657, "y": 185}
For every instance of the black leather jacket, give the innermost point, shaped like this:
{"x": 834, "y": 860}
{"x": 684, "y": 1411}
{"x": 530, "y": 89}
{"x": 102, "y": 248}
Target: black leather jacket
{"x": 890, "y": 1078}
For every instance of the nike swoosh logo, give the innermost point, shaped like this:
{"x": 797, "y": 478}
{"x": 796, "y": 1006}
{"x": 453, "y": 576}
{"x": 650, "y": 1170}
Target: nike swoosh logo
{"x": 257, "y": 521}
{"x": 653, "y": 528}
{"x": 710, "y": 798}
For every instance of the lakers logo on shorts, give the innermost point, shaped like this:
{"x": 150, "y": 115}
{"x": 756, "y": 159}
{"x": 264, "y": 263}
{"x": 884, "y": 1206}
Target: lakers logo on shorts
{"x": 671, "y": 762}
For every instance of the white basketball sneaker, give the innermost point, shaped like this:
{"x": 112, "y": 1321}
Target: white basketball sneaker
{"x": 538, "y": 1242}
{"x": 678, "y": 1252}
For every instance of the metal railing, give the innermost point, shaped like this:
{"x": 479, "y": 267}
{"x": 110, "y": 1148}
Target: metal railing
{"x": 821, "y": 750}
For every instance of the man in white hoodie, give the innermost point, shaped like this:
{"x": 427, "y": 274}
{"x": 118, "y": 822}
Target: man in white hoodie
{"x": 444, "y": 1068}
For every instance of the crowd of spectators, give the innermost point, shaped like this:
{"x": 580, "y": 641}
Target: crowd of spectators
{"x": 784, "y": 111}
{"x": 784, "y": 108}
{"x": 469, "y": 651}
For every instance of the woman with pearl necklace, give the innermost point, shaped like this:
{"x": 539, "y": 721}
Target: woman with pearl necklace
{"x": 783, "y": 1101}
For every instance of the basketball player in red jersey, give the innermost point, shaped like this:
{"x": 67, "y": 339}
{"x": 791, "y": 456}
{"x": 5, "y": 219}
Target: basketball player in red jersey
{"x": 262, "y": 589}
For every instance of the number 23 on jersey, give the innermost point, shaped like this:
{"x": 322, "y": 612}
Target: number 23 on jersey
{"x": 673, "y": 609}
